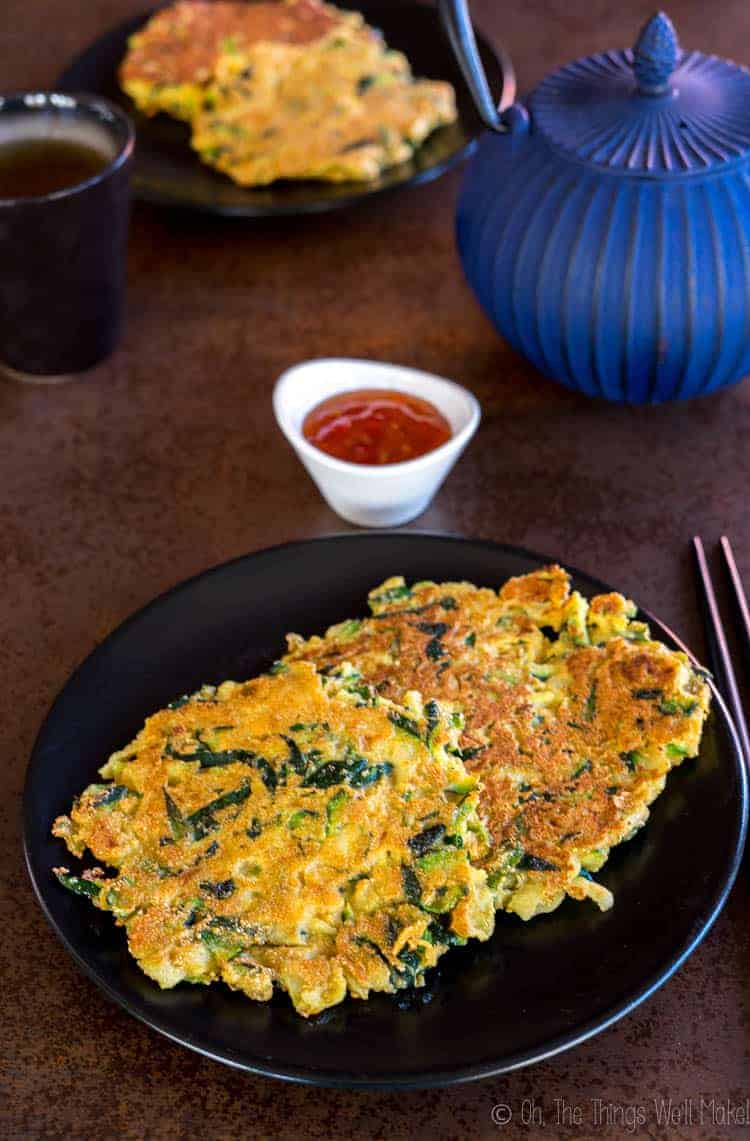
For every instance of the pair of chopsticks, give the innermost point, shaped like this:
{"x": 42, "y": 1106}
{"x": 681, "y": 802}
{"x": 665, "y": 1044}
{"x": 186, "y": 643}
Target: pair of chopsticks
{"x": 718, "y": 648}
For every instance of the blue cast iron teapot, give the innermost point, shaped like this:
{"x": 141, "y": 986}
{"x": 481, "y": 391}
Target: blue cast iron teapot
{"x": 605, "y": 224}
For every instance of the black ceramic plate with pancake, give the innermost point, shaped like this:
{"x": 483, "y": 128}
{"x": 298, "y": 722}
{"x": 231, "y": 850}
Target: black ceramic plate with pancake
{"x": 534, "y": 989}
{"x": 167, "y": 171}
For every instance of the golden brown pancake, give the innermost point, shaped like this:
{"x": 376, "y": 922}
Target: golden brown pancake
{"x": 295, "y": 90}
{"x": 173, "y": 58}
{"x": 572, "y": 715}
{"x": 281, "y": 832}
{"x": 339, "y": 110}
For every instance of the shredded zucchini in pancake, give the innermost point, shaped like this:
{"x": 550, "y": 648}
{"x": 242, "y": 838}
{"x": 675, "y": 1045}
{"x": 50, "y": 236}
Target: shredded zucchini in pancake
{"x": 572, "y": 715}
{"x": 288, "y": 832}
{"x": 334, "y": 828}
{"x": 292, "y": 90}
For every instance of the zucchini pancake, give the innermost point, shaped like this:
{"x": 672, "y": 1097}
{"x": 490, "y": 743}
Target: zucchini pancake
{"x": 283, "y": 831}
{"x": 335, "y": 826}
{"x": 283, "y": 90}
{"x": 571, "y": 715}
{"x": 171, "y": 62}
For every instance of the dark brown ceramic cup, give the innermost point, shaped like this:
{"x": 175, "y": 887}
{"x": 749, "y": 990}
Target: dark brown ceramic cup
{"x": 62, "y": 254}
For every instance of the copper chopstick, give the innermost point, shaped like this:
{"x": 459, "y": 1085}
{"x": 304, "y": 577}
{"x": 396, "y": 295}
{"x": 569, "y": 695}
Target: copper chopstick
{"x": 718, "y": 649}
{"x": 740, "y": 599}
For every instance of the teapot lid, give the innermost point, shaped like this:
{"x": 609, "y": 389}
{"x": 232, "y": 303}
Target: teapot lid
{"x": 655, "y": 110}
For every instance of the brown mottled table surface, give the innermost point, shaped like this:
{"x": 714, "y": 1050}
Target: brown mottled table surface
{"x": 167, "y": 460}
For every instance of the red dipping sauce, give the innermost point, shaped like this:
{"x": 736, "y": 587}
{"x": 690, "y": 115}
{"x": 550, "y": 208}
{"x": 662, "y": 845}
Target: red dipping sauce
{"x": 376, "y": 426}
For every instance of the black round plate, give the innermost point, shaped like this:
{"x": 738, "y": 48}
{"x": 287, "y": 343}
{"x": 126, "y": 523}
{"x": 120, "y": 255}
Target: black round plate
{"x": 534, "y": 989}
{"x": 167, "y": 171}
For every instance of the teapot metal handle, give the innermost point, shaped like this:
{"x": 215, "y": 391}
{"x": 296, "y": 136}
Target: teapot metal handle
{"x": 457, "y": 23}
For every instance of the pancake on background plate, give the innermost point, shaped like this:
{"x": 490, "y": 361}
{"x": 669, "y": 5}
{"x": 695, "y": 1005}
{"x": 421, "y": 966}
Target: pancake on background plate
{"x": 172, "y": 60}
{"x": 287, "y": 90}
{"x": 339, "y": 110}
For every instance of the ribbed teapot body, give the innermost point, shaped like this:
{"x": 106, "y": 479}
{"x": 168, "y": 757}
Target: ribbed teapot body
{"x": 633, "y": 288}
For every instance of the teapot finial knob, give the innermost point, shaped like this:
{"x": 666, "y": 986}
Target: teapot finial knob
{"x": 655, "y": 55}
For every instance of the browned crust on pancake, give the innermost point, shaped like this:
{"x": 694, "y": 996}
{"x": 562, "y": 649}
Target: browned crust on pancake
{"x": 181, "y": 44}
{"x": 573, "y": 715}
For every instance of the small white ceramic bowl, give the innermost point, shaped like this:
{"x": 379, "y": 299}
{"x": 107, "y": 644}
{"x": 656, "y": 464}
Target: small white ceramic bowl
{"x": 373, "y": 495}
